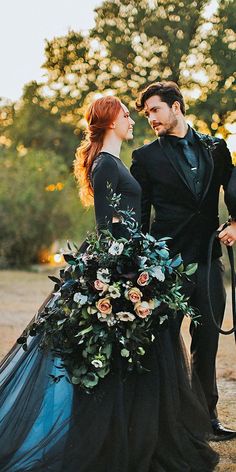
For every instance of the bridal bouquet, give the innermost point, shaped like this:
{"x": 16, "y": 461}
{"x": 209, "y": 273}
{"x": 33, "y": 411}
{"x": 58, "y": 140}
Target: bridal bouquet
{"x": 111, "y": 300}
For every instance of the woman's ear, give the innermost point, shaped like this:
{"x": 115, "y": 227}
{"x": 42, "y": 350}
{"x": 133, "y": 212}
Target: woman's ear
{"x": 112, "y": 125}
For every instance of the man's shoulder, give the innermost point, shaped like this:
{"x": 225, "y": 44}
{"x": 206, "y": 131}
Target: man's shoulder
{"x": 210, "y": 142}
{"x": 147, "y": 148}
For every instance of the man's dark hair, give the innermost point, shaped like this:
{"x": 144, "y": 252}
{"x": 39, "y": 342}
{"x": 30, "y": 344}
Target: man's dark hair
{"x": 168, "y": 92}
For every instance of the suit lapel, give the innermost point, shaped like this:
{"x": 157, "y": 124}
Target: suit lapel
{"x": 209, "y": 165}
{"x": 171, "y": 156}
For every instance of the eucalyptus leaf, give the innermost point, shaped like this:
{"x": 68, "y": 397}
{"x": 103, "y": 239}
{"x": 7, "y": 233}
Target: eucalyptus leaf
{"x": 191, "y": 269}
{"x": 90, "y": 380}
{"x": 103, "y": 372}
{"x": 84, "y": 331}
{"x": 75, "y": 380}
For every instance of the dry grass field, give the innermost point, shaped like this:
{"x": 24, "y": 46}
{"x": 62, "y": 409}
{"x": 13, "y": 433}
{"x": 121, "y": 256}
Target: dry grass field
{"x": 21, "y": 294}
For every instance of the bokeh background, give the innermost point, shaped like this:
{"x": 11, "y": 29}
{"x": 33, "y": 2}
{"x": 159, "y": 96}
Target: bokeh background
{"x": 117, "y": 48}
{"x": 85, "y": 49}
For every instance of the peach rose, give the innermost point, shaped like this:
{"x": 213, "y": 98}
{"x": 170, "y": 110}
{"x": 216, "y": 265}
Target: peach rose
{"x": 104, "y": 306}
{"x": 142, "y": 309}
{"x": 143, "y": 278}
{"x": 99, "y": 285}
{"x": 134, "y": 295}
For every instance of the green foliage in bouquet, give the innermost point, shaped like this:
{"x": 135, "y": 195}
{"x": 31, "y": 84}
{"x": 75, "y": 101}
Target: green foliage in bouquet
{"x": 111, "y": 302}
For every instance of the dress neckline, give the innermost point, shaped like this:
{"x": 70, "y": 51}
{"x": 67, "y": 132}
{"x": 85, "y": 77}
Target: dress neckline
{"x": 113, "y": 155}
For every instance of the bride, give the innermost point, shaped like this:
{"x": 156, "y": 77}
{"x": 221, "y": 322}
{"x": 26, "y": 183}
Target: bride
{"x": 155, "y": 422}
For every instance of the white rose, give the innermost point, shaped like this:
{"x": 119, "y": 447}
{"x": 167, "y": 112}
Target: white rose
{"x": 103, "y": 275}
{"x": 125, "y": 316}
{"x": 116, "y": 248}
{"x": 157, "y": 273}
{"x": 97, "y": 363}
{"x": 114, "y": 291}
{"x": 80, "y": 299}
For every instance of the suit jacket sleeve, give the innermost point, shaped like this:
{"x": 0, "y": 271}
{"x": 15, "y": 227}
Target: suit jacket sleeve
{"x": 140, "y": 174}
{"x": 230, "y": 194}
{"x": 229, "y": 180}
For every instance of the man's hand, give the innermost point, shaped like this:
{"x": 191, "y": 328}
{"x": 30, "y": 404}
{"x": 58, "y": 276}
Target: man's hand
{"x": 228, "y": 235}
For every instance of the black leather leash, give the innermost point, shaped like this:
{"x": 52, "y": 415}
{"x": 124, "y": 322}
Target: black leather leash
{"x": 231, "y": 260}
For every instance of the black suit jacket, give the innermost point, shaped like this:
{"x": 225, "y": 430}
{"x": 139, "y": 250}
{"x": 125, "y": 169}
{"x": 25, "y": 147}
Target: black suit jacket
{"x": 178, "y": 213}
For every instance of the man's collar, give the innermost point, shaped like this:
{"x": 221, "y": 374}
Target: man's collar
{"x": 190, "y": 135}
{"x": 175, "y": 139}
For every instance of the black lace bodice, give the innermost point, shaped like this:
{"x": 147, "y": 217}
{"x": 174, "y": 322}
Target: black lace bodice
{"x": 110, "y": 169}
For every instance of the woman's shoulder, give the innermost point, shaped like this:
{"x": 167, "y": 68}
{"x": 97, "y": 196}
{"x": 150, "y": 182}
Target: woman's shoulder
{"x": 104, "y": 160}
{"x": 104, "y": 164}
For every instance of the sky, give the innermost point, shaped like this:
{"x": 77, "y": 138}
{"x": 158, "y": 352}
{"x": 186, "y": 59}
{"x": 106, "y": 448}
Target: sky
{"x": 24, "y": 26}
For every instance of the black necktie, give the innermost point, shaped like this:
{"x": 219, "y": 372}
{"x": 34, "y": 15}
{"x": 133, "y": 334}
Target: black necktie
{"x": 189, "y": 154}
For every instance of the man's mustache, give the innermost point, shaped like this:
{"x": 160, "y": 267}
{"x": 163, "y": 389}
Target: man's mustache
{"x": 155, "y": 124}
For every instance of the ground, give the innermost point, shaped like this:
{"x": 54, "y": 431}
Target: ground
{"x": 21, "y": 294}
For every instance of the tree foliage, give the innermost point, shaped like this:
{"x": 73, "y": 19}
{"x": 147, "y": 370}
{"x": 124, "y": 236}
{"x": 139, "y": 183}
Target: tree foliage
{"x": 216, "y": 103}
{"x": 34, "y": 126}
{"x": 38, "y": 204}
{"x": 135, "y": 43}
{"x": 132, "y": 44}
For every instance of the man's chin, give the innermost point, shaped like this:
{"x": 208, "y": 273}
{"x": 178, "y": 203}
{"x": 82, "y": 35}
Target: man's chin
{"x": 160, "y": 132}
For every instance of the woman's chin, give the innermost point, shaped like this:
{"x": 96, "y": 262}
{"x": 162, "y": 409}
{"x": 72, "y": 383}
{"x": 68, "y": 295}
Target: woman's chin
{"x": 129, "y": 136}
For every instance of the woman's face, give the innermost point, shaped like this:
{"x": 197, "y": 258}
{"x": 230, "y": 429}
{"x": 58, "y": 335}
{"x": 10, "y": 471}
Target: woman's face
{"x": 123, "y": 125}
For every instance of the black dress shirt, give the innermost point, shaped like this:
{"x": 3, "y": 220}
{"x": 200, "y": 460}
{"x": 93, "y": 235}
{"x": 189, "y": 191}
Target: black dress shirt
{"x": 195, "y": 179}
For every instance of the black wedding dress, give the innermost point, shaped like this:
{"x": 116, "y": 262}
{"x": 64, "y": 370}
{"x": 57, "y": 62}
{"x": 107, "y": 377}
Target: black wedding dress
{"x": 152, "y": 422}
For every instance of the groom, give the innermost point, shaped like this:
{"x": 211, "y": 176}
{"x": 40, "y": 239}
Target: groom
{"x": 181, "y": 173}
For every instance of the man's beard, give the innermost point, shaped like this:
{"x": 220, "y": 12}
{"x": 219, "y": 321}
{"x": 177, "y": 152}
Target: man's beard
{"x": 168, "y": 129}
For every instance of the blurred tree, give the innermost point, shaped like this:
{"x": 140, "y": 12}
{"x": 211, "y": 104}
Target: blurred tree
{"x": 7, "y": 115}
{"x": 33, "y": 126}
{"x": 135, "y": 43}
{"x": 72, "y": 64}
{"x": 147, "y": 40}
{"x": 132, "y": 43}
{"x": 216, "y": 104}
{"x": 38, "y": 204}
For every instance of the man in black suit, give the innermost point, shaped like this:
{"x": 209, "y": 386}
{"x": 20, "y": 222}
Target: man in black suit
{"x": 181, "y": 173}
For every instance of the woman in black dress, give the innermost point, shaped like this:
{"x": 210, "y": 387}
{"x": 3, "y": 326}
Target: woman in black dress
{"x": 145, "y": 423}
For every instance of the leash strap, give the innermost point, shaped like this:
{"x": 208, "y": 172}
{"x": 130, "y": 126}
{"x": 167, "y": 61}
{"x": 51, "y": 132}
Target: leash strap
{"x": 231, "y": 260}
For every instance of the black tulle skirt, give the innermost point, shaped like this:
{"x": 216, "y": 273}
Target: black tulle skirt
{"x": 151, "y": 422}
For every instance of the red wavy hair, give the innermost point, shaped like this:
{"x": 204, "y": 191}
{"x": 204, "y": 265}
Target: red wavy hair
{"x": 99, "y": 116}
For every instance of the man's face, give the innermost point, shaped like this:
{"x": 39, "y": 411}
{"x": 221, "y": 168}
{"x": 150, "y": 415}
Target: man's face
{"x": 162, "y": 118}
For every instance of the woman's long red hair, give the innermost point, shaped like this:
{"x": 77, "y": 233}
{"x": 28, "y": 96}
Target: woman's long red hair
{"x": 99, "y": 116}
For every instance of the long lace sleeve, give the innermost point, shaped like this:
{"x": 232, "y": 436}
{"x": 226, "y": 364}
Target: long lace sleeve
{"x": 105, "y": 172}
